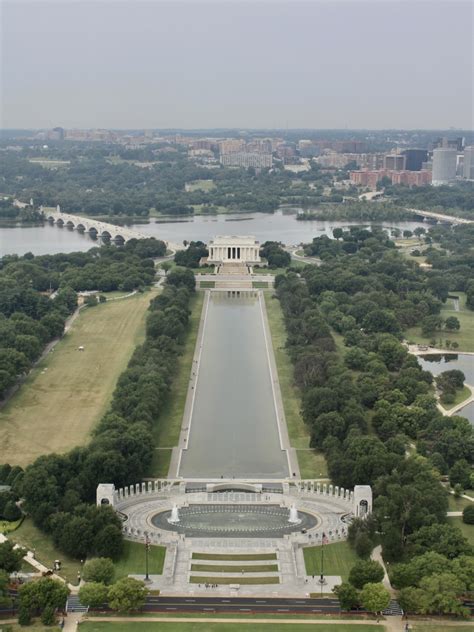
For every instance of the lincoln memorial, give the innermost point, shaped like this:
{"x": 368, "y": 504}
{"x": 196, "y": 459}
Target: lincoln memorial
{"x": 235, "y": 249}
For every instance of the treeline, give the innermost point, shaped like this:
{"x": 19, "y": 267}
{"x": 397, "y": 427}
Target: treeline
{"x": 57, "y": 489}
{"x": 359, "y": 211}
{"x": 452, "y": 260}
{"x": 456, "y": 199}
{"x": 369, "y": 403}
{"x": 275, "y": 255}
{"x": 30, "y": 316}
{"x": 9, "y": 212}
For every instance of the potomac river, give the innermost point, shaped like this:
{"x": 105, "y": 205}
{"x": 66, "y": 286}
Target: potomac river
{"x": 279, "y": 226}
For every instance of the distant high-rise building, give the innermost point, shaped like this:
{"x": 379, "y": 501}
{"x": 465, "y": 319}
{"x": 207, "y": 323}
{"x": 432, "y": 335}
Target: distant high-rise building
{"x": 415, "y": 159}
{"x": 394, "y": 162}
{"x": 468, "y": 168}
{"x": 444, "y": 165}
{"x": 246, "y": 159}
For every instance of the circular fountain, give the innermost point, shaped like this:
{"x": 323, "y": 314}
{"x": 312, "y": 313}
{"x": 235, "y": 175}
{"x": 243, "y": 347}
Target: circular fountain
{"x": 232, "y": 521}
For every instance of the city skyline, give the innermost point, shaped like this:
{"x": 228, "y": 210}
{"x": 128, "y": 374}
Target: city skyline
{"x": 272, "y": 65}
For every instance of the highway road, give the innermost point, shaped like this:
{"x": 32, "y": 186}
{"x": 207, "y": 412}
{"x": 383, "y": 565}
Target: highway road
{"x": 242, "y": 605}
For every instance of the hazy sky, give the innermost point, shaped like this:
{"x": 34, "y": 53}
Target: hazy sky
{"x": 265, "y": 63}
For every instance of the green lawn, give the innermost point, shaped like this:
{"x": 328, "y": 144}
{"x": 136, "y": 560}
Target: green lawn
{"x": 67, "y": 393}
{"x": 464, "y": 337}
{"x": 166, "y": 431}
{"x": 312, "y": 464}
{"x": 260, "y": 285}
{"x": 132, "y": 561}
{"x": 235, "y": 568}
{"x": 200, "y": 185}
{"x": 457, "y": 504}
{"x": 466, "y": 529}
{"x": 243, "y": 579}
{"x": 238, "y": 557}
{"x": 30, "y": 537}
{"x": 160, "y": 463}
{"x": 459, "y": 397}
{"x": 253, "y": 625}
{"x": 338, "y": 559}
{"x": 207, "y": 284}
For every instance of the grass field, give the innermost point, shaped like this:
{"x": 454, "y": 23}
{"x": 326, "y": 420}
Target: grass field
{"x": 239, "y": 557}
{"x": 197, "y": 579}
{"x": 466, "y": 529}
{"x": 253, "y": 625}
{"x": 166, "y": 431}
{"x": 30, "y": 537}
{"x": 339, "y": 558}
{"x": 464, "y": 337}
{"x": 66, "y": 394}
{"x": 260, "y": 285}
{"x": 132, "y": 561}
{"x": 200, "y": 185}
{"x": 235, "y": 568}
{"x": 459, "y": 397}
{"x": 312, "y": 464}
{"x": 457, "y": 504}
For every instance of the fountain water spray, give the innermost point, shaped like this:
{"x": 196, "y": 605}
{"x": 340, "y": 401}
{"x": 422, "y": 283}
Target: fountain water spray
{"x": 174, "y": 518}
{"x": 293, "y": 518}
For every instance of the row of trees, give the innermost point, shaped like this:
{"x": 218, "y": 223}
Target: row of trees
{"x": 57, "y": 488}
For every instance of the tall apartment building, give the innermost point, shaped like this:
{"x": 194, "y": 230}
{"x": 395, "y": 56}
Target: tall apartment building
{"x": 468, "y": 168}
{"x": 231, "y": 145}
{"x": 394, "y": 162}
{"x": 246, "y": 159}
{"x": 444, "y": 165}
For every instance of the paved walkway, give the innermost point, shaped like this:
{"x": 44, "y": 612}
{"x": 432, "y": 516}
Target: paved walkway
{"x": 377, "y": 557}
{"x": 247, "y": 621}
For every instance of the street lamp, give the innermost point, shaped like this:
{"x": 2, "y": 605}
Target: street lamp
{"x": 147, "y": 548}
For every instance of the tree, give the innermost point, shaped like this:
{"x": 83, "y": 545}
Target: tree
{"x": 430, "y": 324}
{"x": 109, "y": 542}
{"x": 348, "y": 595}
{"x": 10, "y": 558}
{"x": 365, "y": 572}
{"x": 468, "y": 514}
{"x": 363, "y": 545}
{"x": 93, "y": 594}
{"x": 452, "y": 324}
{"x": 374, "y": 597}
{"x": 443, "y": 592}
{"x": 413, "y": 600}
{"x": 166, "y": 266}
{"x": 460, "y": 474}
{"x": 44, "y": 592}
{"x": 442, "y": 538}
{"x": 5, "y": 599}
{"x": 127, "y": 594}
{"x": 99, "y": 569}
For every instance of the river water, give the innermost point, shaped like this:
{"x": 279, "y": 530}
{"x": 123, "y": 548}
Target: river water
{"x": 234, "y": 429}
{"x": 279, "y": 226}
{"x": 448, "y": 361}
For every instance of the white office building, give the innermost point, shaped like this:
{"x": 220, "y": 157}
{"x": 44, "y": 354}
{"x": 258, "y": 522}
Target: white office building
{"x": 444, "y": 165}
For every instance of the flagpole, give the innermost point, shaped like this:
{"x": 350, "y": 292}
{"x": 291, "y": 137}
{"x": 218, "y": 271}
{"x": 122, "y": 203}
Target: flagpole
{"x": 321, "y": 580}
{"x": 147, "y": 548}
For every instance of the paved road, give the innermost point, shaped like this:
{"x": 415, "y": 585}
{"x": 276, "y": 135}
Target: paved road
{"x": 241, "y": 604}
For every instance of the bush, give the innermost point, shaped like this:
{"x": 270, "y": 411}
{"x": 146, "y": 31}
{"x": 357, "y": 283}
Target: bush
{"x": 99, "y": 570}
{"x": 366, "y": 572}
{"x": 468, "y": 514}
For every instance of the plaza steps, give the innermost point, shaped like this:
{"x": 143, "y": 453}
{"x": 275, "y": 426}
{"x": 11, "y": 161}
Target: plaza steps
{"x": 237, "y": 284}
{"x": 73, "y": 604}
{"x": 393, "y": 609}
{"x": 234, "y": 574}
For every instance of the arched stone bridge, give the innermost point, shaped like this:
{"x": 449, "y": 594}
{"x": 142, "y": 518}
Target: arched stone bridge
{"x": 93, "y": 226}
